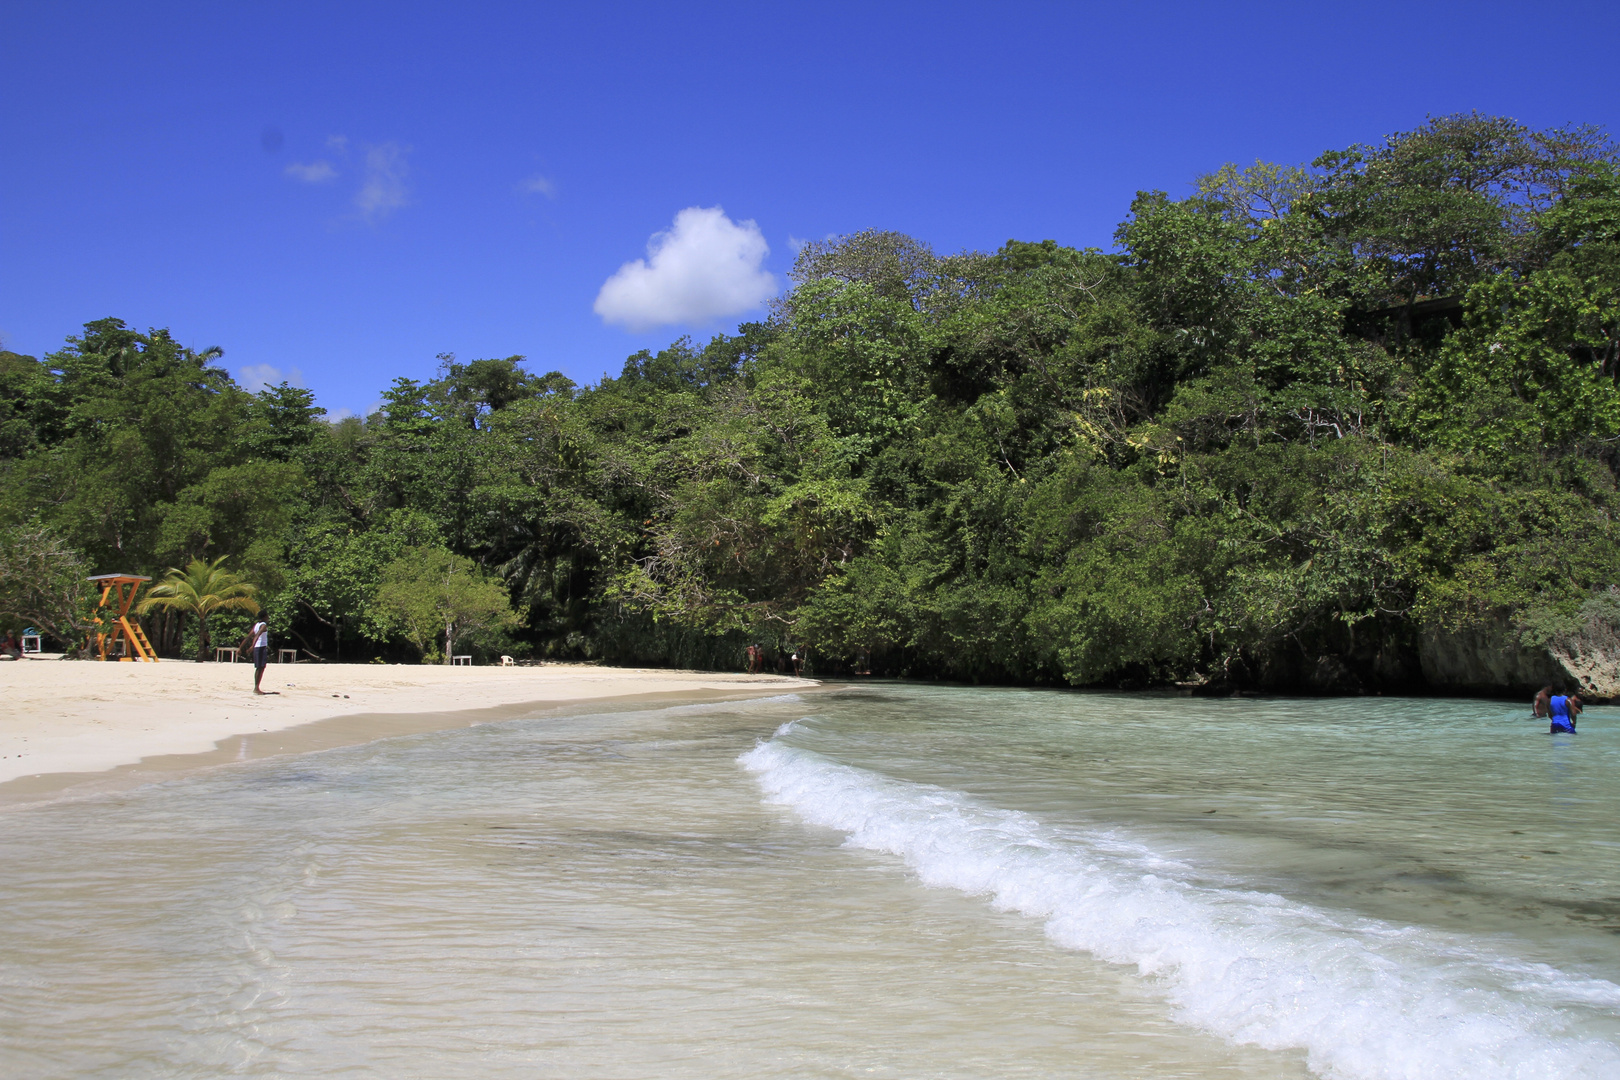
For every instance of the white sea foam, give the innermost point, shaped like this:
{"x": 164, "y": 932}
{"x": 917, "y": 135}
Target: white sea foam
{"x": 741, "y": 705}
{"x": 1365, "y": 999}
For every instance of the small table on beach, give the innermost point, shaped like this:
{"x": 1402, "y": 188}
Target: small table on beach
{"x": 224, "y": 654}
{"x": 467, "y": 660}
{"x": 286, "y": 656}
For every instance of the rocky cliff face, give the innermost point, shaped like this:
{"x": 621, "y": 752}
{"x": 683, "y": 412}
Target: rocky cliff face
{"x": 1377, "y": 656}
{"x": 1485, "y": 661}
{"x": 1597, "y": 672}
{"x": 1391, "y": 656}
{"x": 1492, "y": 660}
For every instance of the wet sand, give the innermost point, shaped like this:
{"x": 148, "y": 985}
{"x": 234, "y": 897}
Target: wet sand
{"x": 78, "y": 727}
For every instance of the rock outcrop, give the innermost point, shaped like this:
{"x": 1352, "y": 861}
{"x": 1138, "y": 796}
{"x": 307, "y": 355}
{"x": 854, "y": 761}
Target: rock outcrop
{"x": 1596, "y": 672}
{"x": 1485, "y": 660}
{"x": 1389, "y": 655}
{"x": 1495, "y": 659}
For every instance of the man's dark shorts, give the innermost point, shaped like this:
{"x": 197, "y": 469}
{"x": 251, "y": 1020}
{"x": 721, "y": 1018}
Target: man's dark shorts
{"x": 261, "y": 655}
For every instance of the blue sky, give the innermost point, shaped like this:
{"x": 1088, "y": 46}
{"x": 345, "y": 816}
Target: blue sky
{"x": 337, "y": 193}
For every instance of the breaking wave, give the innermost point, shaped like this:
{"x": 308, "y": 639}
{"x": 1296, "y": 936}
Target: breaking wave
{"x": 1363, "y": 998}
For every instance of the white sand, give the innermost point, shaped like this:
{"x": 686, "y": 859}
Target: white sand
{"x": 60, "y": 716}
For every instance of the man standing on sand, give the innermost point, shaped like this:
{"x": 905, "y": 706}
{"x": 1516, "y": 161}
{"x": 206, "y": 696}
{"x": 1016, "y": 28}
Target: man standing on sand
{"x": 259, "y": 635}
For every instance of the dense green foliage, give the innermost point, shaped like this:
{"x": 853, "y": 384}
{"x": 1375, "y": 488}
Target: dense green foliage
{"x": 201, "y": 589}
{"x": 44, "y": 584}
{"x": 428, "y": 590}
{"x": 1299, "y": 419}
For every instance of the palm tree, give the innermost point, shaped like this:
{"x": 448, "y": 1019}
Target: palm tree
{"x": 201, "y": 589}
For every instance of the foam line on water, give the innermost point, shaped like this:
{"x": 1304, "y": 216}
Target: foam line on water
{"x": 740, "y": 705}
{"x": 1365, "y": 999}
{"x": 704, "y": 708}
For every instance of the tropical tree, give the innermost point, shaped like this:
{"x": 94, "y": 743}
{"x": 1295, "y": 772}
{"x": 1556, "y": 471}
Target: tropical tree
{"x": 1297, "y": 428}
{"x": 201, "y": 589}
{"x": 44, "y": 582}
{"x": 430, "y": 588}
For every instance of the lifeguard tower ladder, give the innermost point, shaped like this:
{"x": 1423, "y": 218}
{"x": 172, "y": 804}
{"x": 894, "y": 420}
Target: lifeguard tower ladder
{"x": 115, "y": 633}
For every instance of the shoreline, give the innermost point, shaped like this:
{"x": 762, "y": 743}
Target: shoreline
{"x": 78, "y": 728}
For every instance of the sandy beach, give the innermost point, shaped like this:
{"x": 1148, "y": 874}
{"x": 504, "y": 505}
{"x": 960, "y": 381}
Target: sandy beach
{"x": 63, "y": 720}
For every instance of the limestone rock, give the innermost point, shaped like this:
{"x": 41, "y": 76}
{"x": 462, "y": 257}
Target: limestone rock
{"x": 1493, "y": 660}
{"x": 1596, "y": 671}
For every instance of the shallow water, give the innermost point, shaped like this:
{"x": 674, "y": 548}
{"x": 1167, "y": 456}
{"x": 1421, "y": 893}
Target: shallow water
{"x": 891, "y": 881}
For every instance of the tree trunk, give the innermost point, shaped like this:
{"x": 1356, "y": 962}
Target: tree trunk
{"x": 337, "y": 629}
{"x": 202, "y": 639}
{"x": 449, "y": 643}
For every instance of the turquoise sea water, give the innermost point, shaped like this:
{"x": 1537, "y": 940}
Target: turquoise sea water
{"x": 887, "y": 880}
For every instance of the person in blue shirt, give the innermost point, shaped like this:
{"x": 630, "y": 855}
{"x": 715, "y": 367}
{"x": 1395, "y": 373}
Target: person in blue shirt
{"x": 1562, "y": 708}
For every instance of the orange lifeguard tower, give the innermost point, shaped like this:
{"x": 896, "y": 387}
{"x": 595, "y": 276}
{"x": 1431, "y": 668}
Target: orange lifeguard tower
{"x": 115, "y": 633}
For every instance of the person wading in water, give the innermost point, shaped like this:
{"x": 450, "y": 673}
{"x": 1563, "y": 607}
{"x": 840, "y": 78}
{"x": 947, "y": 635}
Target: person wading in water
{"x": 1563, "y": 708}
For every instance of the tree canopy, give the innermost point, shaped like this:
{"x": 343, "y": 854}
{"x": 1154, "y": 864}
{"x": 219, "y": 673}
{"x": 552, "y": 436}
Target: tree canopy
{"x": 201, "y": 590}
{"x": 429, "y": 590}
{"x": 1300, "y": 420}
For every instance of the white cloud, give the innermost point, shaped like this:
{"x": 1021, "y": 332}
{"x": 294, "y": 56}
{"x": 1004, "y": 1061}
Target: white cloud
{"x": 705, "y": 267}
{"x": 796, "y": 243}
{"x": 256, "y": 377}
{"x": 316, "y": 172}
{"x": 337, "y": 416}
{"x": 384, "y": 189}
{"x": 539, "y": 185}
{"x": 338, "y": 144}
